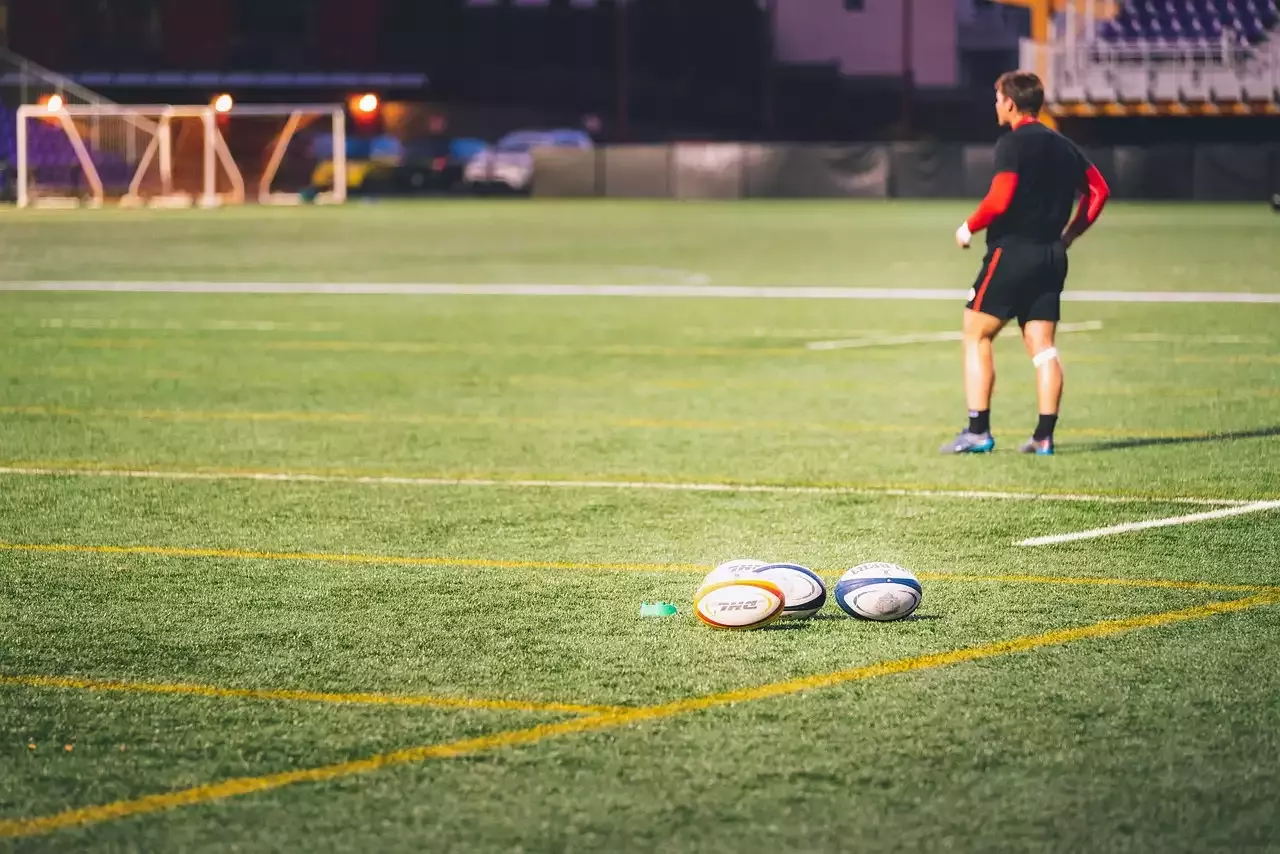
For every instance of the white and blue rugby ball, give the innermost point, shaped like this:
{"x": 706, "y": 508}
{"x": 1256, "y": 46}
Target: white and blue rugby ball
{"x": 729, "y": 570}
{"x": 805, "y": 591}
{"x": 878, "y": 591}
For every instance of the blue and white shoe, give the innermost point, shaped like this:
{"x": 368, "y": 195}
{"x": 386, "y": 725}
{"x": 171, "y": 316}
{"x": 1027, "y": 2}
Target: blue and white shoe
{"x": 970, "y": 443}
{"x": 1039, "y": 447}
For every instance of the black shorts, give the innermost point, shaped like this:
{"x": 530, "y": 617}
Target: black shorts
{"x": 1022, "y": 280}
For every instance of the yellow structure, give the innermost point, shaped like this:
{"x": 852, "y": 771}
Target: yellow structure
{"x": 1042, "y": 11}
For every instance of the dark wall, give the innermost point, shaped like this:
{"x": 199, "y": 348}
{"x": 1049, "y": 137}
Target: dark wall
{"x": 696, "y": 69}
{"x": 1241, "y": 173}
{"x": 42, "y": 29}
{"x": 689, "y": 64}
{"x": 1174, "y": 129}
{"x": 195, "y": 34}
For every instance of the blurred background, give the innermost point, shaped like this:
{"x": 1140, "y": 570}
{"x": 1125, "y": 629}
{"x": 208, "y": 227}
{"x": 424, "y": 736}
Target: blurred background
{"x": 1174, "y": 99}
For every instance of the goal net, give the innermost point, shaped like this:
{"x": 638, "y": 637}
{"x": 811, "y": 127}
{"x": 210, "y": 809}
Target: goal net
{"x": 180, "y": 156}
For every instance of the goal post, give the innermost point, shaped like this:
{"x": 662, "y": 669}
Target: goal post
{"x": 165, "y": 155}
{"x": 298, "y": 118}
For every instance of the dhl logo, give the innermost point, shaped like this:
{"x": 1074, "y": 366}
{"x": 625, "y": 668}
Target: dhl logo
{"x": 742, "y": 605}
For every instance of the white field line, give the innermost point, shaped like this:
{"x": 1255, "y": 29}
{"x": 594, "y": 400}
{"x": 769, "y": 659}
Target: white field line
{"x": 1161, "y": 338}
{"x": 174, "y": 325}
{"x": 684, "y": 277}
{"x": 927, "y": 337}
{"x": 606, "y": 290}
{"x": 1240, "y": 510}
{"x": 392, "y": 480}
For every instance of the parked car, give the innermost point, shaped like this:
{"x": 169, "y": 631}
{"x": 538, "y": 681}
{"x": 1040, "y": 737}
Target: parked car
{"x": 384, "y": 166}
{"x": 509, "y": 164}
{"x": 437, "y": 164}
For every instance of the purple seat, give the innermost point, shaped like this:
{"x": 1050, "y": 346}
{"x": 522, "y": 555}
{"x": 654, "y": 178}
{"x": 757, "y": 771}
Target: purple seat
{"x": 52, "y": 158}
{"x": 1181, "y": 22}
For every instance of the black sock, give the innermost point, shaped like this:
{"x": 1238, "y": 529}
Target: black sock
{"x": 979, "y": 422}
{"x": 1044, "y": 429}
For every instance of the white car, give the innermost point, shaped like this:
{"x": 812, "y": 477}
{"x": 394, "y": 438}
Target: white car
{"x": 509, "y": 164}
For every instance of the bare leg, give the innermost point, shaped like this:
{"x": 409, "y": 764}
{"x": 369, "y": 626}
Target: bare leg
{"x": 980, "y": 331}
{"x": 1038, "y": 336}
{"x": 979, "y": 380}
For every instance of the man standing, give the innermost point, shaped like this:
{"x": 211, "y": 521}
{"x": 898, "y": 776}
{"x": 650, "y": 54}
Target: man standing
{"x": 1027, "y": 214}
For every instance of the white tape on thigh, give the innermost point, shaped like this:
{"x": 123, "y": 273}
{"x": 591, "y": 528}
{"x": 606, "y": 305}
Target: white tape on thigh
{"x": 1044, "y": 357}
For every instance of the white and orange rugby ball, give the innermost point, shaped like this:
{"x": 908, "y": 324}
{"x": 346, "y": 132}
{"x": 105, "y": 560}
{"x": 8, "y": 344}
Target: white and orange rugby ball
{"x": 739, "y": 603}
{"x": 736, "y": 568}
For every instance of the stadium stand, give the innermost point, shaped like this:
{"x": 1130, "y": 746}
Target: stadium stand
{"x": 1158, "y": 57}
{"x": 51, "y": 158}
{"x": 1203, "y": 23}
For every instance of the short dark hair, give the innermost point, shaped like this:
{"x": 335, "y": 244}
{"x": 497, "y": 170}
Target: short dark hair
{"x": 1024, "y": 89}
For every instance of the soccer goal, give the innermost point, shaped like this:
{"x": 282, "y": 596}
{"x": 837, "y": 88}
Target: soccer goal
{"x": 166, "y": 155}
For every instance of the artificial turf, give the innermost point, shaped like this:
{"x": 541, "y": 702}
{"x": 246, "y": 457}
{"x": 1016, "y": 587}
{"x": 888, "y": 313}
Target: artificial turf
{"x": 199, "y": 570}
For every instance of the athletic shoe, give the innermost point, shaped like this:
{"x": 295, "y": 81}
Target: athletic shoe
{"x": 970, "y": 443}
{"x": 1039, "y": 447}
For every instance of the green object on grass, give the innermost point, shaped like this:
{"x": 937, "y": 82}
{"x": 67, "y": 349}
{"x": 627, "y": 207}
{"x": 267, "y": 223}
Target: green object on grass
{"x": 657, "y": 609}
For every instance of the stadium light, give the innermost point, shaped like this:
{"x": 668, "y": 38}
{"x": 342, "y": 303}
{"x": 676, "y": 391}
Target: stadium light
{"x": 223, "y": 103}
{"x": 367, "y": 104}
{"x": 53, "y": 103}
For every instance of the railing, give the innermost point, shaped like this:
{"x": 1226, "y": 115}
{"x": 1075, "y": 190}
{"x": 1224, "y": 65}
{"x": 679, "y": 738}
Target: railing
{"x": 30, "y": 83}
{"x": 1072, "y": 59}
{"x": 1228, "y": 55}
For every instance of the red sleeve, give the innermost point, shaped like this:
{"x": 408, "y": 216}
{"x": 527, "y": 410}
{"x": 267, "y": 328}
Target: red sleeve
{"x": 997, "y": 201}
{"x": 1093, "y": 199}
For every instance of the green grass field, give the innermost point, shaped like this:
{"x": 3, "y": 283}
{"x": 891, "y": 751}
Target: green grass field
{"x": 363, "y": 572}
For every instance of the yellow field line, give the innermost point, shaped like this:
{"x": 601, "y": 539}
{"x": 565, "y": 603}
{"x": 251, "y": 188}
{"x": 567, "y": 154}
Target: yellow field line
{"x": 362, "y": 699}
{"x": 608, "y": 381}
{"x": 248, "y": 785}
{"x": 588, "y": 419}
{"x": 1165, "y": 583}
{"x": 196, "y": 471}
{"x": 285, "y": 416}
{"x": 322, "y": 557}
{"x": 103, "y": 343}
{"x": 350, "y": 346}
{"x": 89, "y": 343}
{"x": 486, "y": 563}
{"x": 637, "y": 350}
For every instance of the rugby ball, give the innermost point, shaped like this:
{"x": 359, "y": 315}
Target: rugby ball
{"x": 878, "y": 591}
{"x": 739, "y": 603}
{"x": 803, "y": 589}
{"x": 728, "y": 570}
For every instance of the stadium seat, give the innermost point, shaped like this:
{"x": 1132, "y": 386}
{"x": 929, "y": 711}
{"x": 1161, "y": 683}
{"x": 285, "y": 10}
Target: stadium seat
{"x": 1182, "y": 22}
{"x": 51, "y": 157}
{"x": 1166, "y": 57}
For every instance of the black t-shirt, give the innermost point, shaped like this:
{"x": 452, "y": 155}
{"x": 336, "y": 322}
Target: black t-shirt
{"x": 1050, "y": 170}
